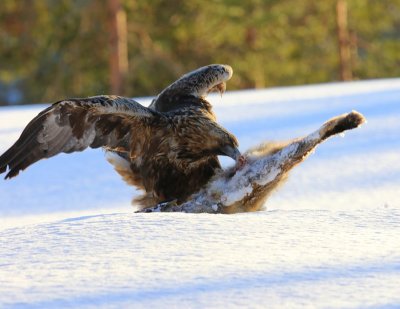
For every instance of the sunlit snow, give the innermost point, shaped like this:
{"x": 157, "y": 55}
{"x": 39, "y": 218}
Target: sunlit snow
{"x": 329, "y": 237}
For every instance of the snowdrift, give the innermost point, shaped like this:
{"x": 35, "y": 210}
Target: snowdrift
{"x": 273, "y": 259}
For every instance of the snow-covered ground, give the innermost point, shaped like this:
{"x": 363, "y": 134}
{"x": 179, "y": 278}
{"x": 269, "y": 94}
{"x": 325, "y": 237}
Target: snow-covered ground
{"x": 330, "y": 237}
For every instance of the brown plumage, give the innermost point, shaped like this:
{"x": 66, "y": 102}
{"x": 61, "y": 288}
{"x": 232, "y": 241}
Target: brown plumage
{"x": 171, "y": 147}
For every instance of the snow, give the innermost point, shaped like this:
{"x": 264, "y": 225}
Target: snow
{"x": 270, "y": 259}
{"x": 329, "y": 237}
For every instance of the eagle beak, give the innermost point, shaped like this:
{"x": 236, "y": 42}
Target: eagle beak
{"x": 231, "y": 152}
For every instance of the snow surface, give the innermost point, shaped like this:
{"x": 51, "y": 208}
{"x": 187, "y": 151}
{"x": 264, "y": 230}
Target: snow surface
{"x": 330, "y": 236}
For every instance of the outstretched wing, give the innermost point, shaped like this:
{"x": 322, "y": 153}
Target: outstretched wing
{"x": 192, "y": 86}
{"x": 73, "y": 125}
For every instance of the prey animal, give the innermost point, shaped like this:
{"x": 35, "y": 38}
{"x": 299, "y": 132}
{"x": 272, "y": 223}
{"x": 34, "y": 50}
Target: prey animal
{"x": 168, "y": 149}
{"x": 265, "y": 168}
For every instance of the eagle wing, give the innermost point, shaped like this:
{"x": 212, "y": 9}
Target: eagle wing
{"x": 193, "y": 86}
{"x": 74, "y": 125}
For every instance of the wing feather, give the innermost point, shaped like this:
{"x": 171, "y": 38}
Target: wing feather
{"x": 196, "y": 84}
{"x": 74, "y": 125}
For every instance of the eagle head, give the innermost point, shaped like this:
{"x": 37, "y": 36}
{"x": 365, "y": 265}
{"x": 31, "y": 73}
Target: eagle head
{"x": 229, "y": 147}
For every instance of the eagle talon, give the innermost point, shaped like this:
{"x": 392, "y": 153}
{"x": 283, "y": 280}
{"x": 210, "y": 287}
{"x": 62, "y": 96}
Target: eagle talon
{"x": 221, "y": 87}
{"x": 167, "y": 205}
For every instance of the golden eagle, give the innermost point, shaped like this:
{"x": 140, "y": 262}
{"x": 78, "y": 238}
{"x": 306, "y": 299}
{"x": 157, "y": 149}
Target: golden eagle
{"x": 169, "y": 149}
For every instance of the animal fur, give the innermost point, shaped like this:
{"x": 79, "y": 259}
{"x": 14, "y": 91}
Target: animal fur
{"x": 267, "y": 167}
